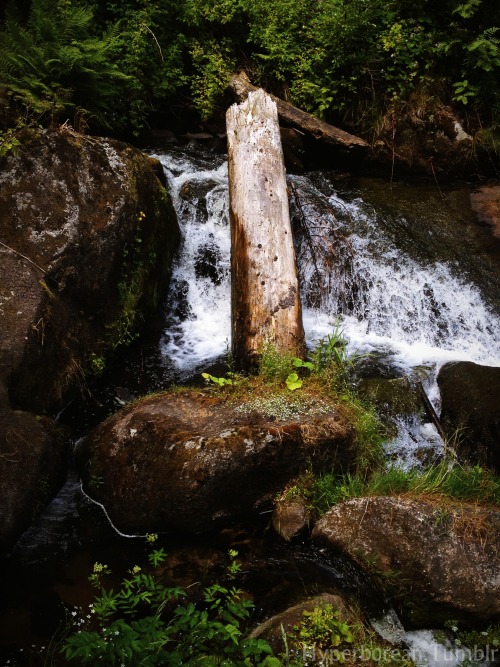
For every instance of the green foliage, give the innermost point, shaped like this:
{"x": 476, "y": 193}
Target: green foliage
{"x": 323, "y": 627}
{"x": 9, "y": 142}
{"x": 343, "y": 60}
{"x": 97, "y": 364}
{"x": 328, "y": 360}
{"x": 52, "y": 64}
{"x": 213, "y": 66}
{"x": 332, "y": 351}
{"x": 130, "y": 290}
{"x": 149, "y": 49}
{"x": 144, "y": 622}
{"x": 220, "y": 382}
{"x": 474, "y": 484}
{"x": 293, "y": 382}
{"x": 275, "y": 366}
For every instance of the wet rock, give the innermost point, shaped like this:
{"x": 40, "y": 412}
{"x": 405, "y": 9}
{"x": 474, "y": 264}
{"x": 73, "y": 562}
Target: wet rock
{"x": 208, "y": 263}
{"x": 437, "y": 562}
{"x": 395, "y": 396}
{"x": 291, "y": 517}
{"x": 87, "y": 233}
{"x": 186, "y": 461}
{"x": 470, "y": 410}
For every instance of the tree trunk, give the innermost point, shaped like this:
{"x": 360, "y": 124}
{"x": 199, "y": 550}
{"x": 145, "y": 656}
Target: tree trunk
{"x": 265, "y": 292}
{"x": 241, "y": 86}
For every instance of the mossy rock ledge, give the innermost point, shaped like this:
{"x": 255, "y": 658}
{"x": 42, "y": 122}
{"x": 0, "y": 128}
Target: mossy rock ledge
{"x": 187, "y": 461}
{"x": 438, "y": 560}
{"x": 88, "y": 232}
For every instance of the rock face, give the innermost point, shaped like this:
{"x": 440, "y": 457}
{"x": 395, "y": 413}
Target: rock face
{"x": 470, "y": 408}
{"x": 186, "y": 460}
{"x": 87, "y": 232}
{"x": 441, "y": 562}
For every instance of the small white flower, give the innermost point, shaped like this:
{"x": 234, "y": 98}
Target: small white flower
{"x": 116, "y": 632}
{"x": 73, "y": 613}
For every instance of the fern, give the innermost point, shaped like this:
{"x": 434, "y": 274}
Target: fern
{"x": 52, "y": 63}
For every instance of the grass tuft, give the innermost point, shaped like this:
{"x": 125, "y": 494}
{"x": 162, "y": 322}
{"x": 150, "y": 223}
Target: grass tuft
{"x": 473, "y": 484}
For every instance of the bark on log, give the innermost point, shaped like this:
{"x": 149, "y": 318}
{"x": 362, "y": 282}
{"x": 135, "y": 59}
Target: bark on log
{"x": 241, "y": 86}
{"x": 265, "y": 292}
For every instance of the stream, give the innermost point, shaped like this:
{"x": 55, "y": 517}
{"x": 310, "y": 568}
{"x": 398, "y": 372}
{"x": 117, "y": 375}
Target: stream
{"x": 405, "y": 271}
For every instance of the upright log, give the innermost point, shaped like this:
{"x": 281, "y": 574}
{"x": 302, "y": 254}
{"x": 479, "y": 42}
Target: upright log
{"x": 265, "y": 292}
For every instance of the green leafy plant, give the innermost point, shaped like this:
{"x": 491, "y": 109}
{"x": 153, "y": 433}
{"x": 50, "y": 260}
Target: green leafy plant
{"x": 293, "y": 382}
{"x": 220, "y": 382}
{"x": 144, "y": 622}
{"x": 9, "y": 142}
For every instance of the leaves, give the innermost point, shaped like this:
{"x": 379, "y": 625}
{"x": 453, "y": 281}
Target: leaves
{"x": 218, "y": 381}
{"x": 293, "y": 382}
{"x": 133, "y": 625}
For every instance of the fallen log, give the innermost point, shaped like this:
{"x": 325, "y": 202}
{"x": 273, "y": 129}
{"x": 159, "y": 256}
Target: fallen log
{"x": 241, "y": 86}
{"x": 265, "y": 303}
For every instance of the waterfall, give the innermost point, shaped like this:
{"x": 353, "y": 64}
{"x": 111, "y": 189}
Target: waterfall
{"x": 392, "y": 301}
{"x": 199, "y": 317}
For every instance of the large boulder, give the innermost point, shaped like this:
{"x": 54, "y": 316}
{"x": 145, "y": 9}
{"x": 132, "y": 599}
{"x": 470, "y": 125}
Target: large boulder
{"x": 439, "y": 562}
{"x": 470, "y": 410}
{"x": 87, "y": 232}
{"x": 184, "y": 461}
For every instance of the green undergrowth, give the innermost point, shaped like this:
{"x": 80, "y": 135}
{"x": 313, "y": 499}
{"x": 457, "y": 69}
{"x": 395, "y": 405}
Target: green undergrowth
{"x": 145, "y": 621}
{"x": 445, "y": 480}
{"x": 325, "y": 637}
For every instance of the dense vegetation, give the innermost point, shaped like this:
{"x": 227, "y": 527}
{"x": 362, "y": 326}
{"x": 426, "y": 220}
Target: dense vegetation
{"x": 120, "y": 65}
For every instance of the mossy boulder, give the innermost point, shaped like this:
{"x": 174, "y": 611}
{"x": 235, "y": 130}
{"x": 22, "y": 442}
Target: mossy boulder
{"x": 88, "y": 232}
{"x": 186, "y": 461}
{"x": 437, "y": 561}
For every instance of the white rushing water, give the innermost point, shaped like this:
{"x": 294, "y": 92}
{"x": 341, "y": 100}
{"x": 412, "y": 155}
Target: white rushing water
{"x": 389, "y": 304}
{"x": 200, "y": 319}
